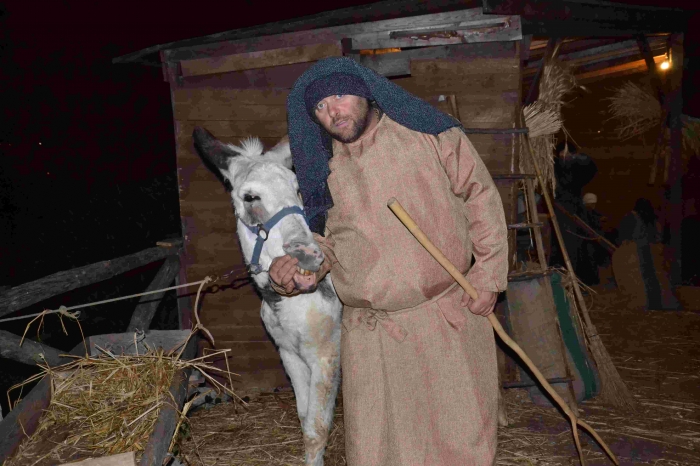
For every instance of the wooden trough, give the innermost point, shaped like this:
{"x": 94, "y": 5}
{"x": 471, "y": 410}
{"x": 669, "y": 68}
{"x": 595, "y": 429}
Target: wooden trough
{"x": 23, "y": 420}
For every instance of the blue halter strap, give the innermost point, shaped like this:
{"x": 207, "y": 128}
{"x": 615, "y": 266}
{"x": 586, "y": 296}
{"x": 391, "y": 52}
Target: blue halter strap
{"x": 262, "y": 230}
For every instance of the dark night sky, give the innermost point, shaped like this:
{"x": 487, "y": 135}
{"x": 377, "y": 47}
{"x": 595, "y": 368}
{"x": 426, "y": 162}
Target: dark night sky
{"x": 94, "y": 118}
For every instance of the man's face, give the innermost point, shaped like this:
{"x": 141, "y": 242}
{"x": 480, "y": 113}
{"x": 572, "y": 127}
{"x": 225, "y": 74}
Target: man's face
{"x": 345, "y": 117}
{"x": 590, "y": 205}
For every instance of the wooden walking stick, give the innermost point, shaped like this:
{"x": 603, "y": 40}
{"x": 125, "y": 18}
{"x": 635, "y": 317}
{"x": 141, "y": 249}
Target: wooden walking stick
{"x": 614, "y": 389}
{"x": 408, "y": 222}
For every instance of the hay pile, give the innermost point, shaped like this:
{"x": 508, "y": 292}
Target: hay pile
{"x": 543, "y": 119}
{"x": 102, "y": 406}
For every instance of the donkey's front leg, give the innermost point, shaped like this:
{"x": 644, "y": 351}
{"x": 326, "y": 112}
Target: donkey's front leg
{"x": 323, "y": 389}
{"x": 300, "y": 376}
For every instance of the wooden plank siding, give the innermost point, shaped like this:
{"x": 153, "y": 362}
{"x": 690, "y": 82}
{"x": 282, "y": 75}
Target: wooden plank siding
{"x": 230, "y": 311}
{"x": 260, "y": 59}
{"x": 487, "y": 92}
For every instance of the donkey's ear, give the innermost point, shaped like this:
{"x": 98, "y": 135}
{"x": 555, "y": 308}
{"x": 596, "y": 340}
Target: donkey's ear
{"x": 211, "y": 149}
{"x": 281, "y": 153}
{"x": 214, "y": 153}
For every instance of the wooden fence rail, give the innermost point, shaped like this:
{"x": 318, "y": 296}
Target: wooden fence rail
{"x": 27, "y": 294}
{"x": 34, "y": 292}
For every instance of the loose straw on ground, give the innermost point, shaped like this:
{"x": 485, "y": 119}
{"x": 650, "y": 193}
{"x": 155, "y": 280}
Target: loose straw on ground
{"x": 614, "y": 389}
{"x": 408, "y": 222}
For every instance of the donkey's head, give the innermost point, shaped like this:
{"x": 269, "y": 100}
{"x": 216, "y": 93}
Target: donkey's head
{"x": 265, "y": 197}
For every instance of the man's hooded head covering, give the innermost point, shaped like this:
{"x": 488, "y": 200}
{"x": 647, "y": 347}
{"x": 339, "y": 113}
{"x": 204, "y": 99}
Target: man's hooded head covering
{"x": 312, "y": 146}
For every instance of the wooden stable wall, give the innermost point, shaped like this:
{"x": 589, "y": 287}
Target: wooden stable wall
{"x": 231, "y": 314}
{"x": 232, "y": 91}
{"x": 486, "y": 84}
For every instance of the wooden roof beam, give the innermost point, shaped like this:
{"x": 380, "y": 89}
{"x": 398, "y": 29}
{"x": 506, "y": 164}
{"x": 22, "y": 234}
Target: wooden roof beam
{"x": 633, "y": 67}
{"x": 535, "y": 85}
{"x": 607, "y": 53}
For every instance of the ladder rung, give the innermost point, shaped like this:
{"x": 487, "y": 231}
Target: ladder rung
{"x": 524, "y": 226}
{"x": 513, "y": 176}
{"x": 530, "y": 275}
{"x": 496, "y": 130}
{"x": 523, "y": 384}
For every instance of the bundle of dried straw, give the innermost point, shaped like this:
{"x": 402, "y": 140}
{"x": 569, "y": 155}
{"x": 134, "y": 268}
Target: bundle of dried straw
{"x": 543, "y": 118}
{"x": 638, "y": 110}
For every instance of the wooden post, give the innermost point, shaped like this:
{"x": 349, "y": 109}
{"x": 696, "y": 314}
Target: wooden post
{"x": 675, "y": 102}
{"x": 658, "y": 88}
{"x": 148, "y": 304}
{"x": 533, "y": 92}
{"x": 30, "y": 351}
{"x": 645, "y": 50}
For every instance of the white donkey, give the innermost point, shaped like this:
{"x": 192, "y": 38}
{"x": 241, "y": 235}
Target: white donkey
{"x": 271, "y": 223}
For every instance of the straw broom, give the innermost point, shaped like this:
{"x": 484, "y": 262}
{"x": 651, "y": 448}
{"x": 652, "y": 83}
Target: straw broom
{"x": 614, "y": 390}
{"x": 415, "y": 230}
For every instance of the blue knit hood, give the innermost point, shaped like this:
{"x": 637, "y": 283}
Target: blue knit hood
{"x": 312, "y": 146}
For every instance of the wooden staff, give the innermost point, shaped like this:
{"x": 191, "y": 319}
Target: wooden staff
{"x": 408, "y": 222}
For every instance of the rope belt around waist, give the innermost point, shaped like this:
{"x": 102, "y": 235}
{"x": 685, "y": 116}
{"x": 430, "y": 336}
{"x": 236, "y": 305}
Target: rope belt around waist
{"x": 369, "y": 318}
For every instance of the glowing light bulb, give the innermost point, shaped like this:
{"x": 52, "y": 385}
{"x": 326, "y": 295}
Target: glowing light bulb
{"x": 665, "y": 65}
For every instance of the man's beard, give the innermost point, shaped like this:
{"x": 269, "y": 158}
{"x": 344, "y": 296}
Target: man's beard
{"x": 358, "y": 124}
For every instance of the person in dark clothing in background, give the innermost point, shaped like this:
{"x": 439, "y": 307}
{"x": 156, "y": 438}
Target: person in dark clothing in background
{"x": 572, "y": 170}
{"x": 690, "y": 252}
{"x": 639, "y": 226}
{"x": 593, "y": 254}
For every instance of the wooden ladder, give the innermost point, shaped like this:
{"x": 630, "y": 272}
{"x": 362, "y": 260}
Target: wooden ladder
{"x": 532, "y": 224}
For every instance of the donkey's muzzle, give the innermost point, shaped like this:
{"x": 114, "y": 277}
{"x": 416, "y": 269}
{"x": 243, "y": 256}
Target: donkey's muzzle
{"x": 309, "y": 255}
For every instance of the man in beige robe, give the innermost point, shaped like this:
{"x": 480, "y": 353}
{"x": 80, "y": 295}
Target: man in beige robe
{"x": 420, "y": 381}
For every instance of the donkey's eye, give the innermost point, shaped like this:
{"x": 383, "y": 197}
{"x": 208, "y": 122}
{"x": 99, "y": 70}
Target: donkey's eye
{"x": 250, "y": 198}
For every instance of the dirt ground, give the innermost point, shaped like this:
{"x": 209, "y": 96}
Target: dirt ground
{"x": 655, "y": 352}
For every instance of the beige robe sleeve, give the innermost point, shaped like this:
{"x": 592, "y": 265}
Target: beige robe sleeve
{"x": 471, "y": 181}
